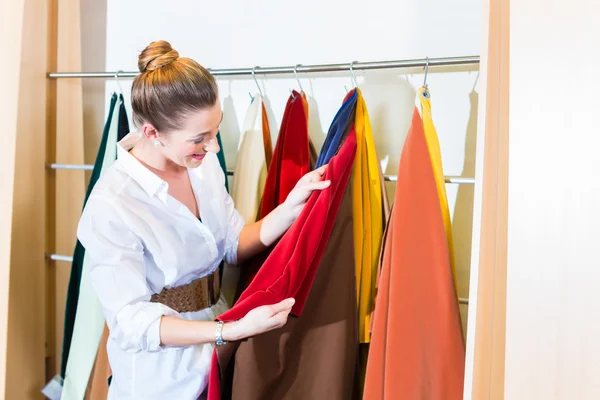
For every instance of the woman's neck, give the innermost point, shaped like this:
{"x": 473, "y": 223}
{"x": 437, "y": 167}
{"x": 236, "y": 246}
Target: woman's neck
{"x": 156, "y": 162}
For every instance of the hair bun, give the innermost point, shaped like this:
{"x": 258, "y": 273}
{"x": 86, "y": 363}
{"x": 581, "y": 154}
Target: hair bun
{"x": 157, "y": 55}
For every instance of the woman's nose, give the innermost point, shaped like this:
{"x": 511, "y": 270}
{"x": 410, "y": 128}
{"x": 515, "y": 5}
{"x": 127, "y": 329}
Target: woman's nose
{"x": 212, "y": 146}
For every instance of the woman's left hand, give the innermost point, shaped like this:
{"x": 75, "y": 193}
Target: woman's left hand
{"x": 258, "y": 236}
{"x": 297, "y": 198}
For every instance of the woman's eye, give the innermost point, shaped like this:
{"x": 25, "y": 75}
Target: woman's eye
{"x": 198, "y": 141}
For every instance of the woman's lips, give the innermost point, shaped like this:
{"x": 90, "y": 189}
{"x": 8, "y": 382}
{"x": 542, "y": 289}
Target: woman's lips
{"x": 198, "y": 157}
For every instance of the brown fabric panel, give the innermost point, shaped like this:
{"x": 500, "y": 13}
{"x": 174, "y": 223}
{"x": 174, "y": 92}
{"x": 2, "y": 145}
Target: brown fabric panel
{"x": 98, "y": 385}
{"x": 313, "y": 356}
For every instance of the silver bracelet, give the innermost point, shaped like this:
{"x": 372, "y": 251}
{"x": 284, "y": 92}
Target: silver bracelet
{"x": 218, "y": 334}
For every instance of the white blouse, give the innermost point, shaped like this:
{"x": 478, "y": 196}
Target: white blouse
{"x": 139, "y": 240}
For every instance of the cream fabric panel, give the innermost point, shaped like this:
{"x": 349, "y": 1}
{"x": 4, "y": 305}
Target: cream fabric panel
{"x": 249, "y": 175}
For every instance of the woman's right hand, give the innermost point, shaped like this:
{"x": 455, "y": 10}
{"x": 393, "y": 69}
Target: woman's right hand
{"x": 259, "y": 320}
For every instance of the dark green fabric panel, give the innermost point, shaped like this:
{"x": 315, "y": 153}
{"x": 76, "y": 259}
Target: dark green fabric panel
{"x": 78, "y": 254}
{"x": 123, "y": 120}
{"x": 221, "y": 156}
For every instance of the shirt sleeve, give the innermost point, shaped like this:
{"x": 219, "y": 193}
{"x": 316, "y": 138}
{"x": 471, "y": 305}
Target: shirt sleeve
{"x": 118, "y": 275}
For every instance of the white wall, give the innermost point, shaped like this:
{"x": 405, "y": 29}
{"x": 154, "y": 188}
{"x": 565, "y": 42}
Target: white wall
{"x": 271, "y": 33}
{"x": 553, "y": 277}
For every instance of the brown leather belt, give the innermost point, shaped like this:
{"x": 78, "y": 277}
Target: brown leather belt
{"x": 194, "y": 296}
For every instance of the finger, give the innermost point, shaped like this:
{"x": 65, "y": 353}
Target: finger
{"x": 315, "y": 175}
{"x": 282, "y": 306}
{"x": 319, "y": 185}
{"x": 321, "y": 170}
{"x": 280, "y": 319}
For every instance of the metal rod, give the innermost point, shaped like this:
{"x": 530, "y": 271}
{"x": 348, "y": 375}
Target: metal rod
{"x": 433, "y": 62}
{"x": 389, "y": 178}
{"x": 86, "y": 167}
{"x": 59, "y": 257}
{"x": 449, "y": 179}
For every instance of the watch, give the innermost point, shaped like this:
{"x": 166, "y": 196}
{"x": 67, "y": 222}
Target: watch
{"x": 219, "y": 341}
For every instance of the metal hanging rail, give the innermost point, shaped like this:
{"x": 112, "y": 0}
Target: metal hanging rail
{"x": 292, "y": 69}
{"x": 389, "y": 178}
{"x": 58, "y": 257}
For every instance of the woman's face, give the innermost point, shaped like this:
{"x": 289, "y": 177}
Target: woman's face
{"x": 188, "y": 146}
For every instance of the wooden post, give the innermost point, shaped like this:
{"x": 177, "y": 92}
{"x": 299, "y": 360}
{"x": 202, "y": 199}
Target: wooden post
{"x": 484, "y": 374}
{"x": 23, "y": 209}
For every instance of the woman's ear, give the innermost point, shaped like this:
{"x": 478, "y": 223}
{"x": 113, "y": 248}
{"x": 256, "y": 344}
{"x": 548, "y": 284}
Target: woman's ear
{"x": 149, "y": 131}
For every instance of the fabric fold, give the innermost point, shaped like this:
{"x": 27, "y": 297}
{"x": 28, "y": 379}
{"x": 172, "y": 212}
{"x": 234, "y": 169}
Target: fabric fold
{"x": 423, "y": 103}
{"x": 417, "y": 349}
{"x": 368, "y": 216}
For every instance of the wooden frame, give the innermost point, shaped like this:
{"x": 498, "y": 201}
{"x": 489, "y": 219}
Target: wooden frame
{"x": 484, "y": 374}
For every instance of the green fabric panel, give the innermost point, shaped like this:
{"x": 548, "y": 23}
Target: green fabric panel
{"x": 89, "y": 317}
{"x": 221, "y": 156}
{"x": 78, "y": 254}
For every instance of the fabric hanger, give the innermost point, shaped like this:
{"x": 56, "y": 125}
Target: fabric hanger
{"x": 297, "y": 80}
{"x": 354, "y": 81}
{"x": 118, "y": 82}
{"x": 426, "y": 92}
{"x": 257, "y": 85}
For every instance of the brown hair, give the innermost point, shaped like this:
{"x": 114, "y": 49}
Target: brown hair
{"x": 169, "y": 87}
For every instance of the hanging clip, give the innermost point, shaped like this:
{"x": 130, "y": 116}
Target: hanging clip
{"x": 255, "y": 81}
{"x": 118, "y": 82}
{"x": 297, "y": 79}
{"x": 352, "y": 72}
{"x": 426, "y": 71}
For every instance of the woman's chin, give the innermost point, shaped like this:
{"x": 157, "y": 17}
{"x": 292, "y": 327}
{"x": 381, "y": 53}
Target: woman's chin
{"x": 191, "y": 162}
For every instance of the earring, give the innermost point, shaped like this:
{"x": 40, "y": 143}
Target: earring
{"x": 156, "y": 143}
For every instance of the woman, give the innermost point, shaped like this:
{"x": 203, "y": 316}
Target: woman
{"x": 156, "y": 228}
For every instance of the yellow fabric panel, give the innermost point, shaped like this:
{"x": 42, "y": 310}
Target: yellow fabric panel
{"x": 436, "y": 158}
{"x": 368, "y": 217}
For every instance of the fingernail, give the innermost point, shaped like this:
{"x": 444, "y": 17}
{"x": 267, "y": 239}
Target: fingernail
{"x": 291, "y": 302}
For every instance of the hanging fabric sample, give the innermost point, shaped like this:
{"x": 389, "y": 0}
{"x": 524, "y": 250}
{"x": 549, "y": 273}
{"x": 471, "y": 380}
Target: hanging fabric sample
{"x": 84, "y": 319}
{"x": 290, "y": 162}
{"x": 291, "y": 267}
{"x": 251, "y": 165}
{"x": 369, "y": 217}
{"x": 254, "y": 149}
{"x": 123, "y": 129}
{"x": 423, "y": 104}
{"x": 339, "y": 125}
{"x": 417, "y": 349}
{"x": 221, "y": 157}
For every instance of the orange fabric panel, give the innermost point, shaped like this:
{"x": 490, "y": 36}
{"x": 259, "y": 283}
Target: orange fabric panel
{"x": 417, "y": 349}
{"x": 266, "y": 136}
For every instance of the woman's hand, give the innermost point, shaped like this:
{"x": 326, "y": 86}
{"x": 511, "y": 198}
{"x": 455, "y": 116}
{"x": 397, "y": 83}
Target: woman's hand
{"x": 256, "y": 237}
{"x": 259, "y": 320}
{"x": 297, "y": 198}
